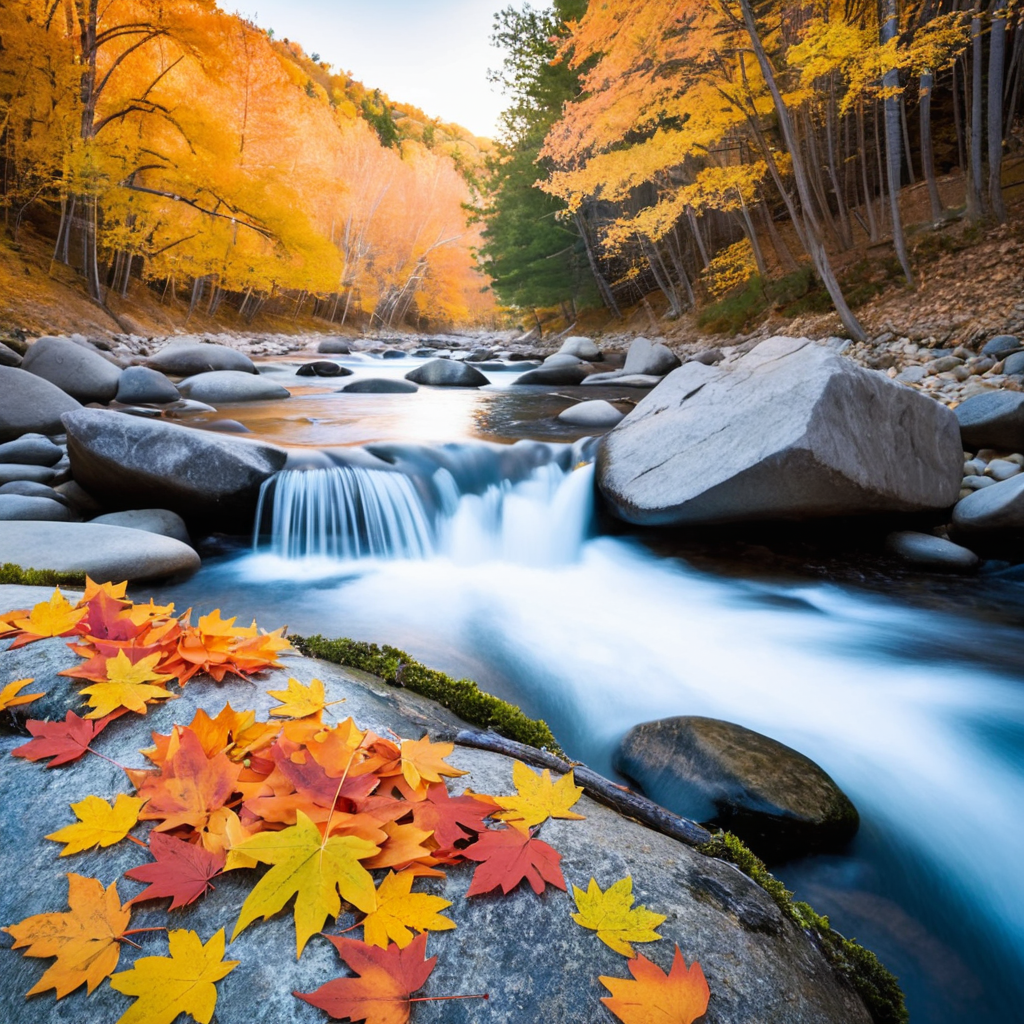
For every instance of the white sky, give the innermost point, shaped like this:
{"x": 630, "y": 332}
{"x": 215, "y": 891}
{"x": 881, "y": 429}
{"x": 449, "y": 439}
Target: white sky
{"x": 430, "y": 53}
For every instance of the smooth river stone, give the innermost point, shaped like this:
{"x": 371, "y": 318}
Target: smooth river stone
{"x": 77, "y": 370}
{"x": 930, "y": 552}
{"x": 30, "y": 404}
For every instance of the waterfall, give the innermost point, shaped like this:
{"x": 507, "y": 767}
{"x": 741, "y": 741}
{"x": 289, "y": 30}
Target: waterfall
{"x": 468, "y": 503}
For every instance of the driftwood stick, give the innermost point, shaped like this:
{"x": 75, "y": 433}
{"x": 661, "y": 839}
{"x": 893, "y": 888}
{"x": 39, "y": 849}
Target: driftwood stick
{"x": 603, "y": 790}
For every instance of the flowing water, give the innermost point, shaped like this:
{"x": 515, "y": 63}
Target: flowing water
{"x": 484, "y": 560}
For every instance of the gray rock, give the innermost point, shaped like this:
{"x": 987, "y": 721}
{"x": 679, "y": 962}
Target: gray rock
{"x": 20, "y": 507}
{"x": 535, "y": 962}
{"x": 1014, "y": 364}
{"x": 31, "y": 450}
{"x": 790, "y": 431}
{"x": 930, "y": 552}
{"x": 775, "y": 799}
{"x": 591, "y": 414}
{"x": 380, "y": 386}
{"x": 10, "y": 472}
{"x": 79, "y": 499}
{"x": 323, "y": 368}
{"x": 30, "y": 404}
{"x": 1002, "y": 469}
{"x": 128, "y": 462}
{"x": 912, "y": 375}
{"x": 584, "y": 348}
{"x": 28, "y": 489}
{"x": 650, "y": 357}
{"x": 151, "y": 520}
{"x": 709, "y": 357}
{"x": 995, "y": 419}
{"x": 621, "y": 379}
{"x": 76, "y": 370}
{"x": 225, "y": 386}
{"x": 977, "y": 483}
{"x": 1001, "y": 346}
{"x": 104, "y": 552}
{"x": 393, "y": 353}
{"x": 334, "y": 347}
{"x": 993, "y": 510}
{"x": 186, "y": 360}
{"x": 224, "y": 427}
{"x": 146, "y": 386}
{"x": 447, "y": 373}
{"x": 557, "y": 376}
{"x": 480, "y": 355}
{"x": 8, "y": 357}
{"x": 562, "y": 359}
{"x": 942, "y": 365}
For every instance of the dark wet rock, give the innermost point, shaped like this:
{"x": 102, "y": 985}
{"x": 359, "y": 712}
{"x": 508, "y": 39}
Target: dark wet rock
{"x": 31, "y": 450}
{"x": 993, "y": 420}
{"x": 584, "y": 348}
{"x": 1014, "y": 364}
{"x": 127, "y": 462}
{"x": 29, "y": 404}
{"x": 557, "y": 376}
{"x": 526, "y": 951}
{"x": 790, "y": 431}
{"x": 151, "y": 520}
{"x": 104, "y": 552}
{"x": 226, "y": 386}
{"x": 447, "y": 373}
{"x": 79, "y": 499}
{"x": 323, "y": 368}
{"x": 527, "y": 357}
{"x": 334, "y": 347}
{"x": 76, "y": 370}
{"x": 930, "y": 552}
{"x": 9, "y": 472}
{"x": 188, "y": 359}
{"x": 650, "y": 357}
{"x": 595, "y": 414}
{"x": 380, "y": 386}
{"x": 29, "y": 489}
{"x": 773, "y": 797}
{"x": 8, "y": 357}
{"x": 24, "y": 507}
{"x": 1001, "y": 346}
{"x": 393, "y": 353}
{"x": 146, "y": 386}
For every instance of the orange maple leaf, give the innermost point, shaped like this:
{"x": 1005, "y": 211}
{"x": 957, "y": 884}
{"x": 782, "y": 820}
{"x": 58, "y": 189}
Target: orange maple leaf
{"x": 654, "y": 997}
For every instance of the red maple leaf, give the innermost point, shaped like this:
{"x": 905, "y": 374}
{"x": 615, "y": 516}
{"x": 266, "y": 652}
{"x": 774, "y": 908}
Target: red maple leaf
{"x": 451, "y": 819}
{"x": 64, "y": 741}
{"x": 386, "y": 979}
{"x": 507, "y": 856}
{"x": 181, "y": 870}
{"x": 108, "y": 619}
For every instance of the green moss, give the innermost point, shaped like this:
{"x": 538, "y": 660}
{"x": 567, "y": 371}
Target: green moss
{"x": 11, "y": 574}
{"x": 460, "y": 696}
{"x": 876, "y": 986}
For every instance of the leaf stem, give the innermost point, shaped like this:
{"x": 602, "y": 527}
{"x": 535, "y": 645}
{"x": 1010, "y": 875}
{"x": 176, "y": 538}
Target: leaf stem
{"x": 139, "y": 931}
{"x": 138, "y": 842}
{"x": 441, "y": 999}
{"x": 117, "y": 764}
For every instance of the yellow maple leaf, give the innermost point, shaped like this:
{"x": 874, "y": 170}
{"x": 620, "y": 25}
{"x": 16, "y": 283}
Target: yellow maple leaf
{"x": 99, "y": 823}
{"x": 127, "y": 686}
{"x": 399, "y": 909}
{"x": 538, "y": 798}
{"x": 184, "y": 982}
{"x": 300, "y": 701}
{"x": 11, "y": 696}
{"x": 94, "y": 589}
{"x": 84, "y": 938}
{"x": 310, "y": 868}
{"x": 423, "y": 762}
{"x": 55, "y": 617}
{"x": 612, "y": 915}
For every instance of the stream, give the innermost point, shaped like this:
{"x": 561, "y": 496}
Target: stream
{"x": 460, "y": 525}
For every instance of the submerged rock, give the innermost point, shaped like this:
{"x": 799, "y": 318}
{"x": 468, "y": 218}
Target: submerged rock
{"x": 930, "y": 552}
{"x": 76, "y": 370}
{"x": 30, "y": 404}
{"x": 380, "y": 386}
{"x": 775, "y": 799}
{"x": 790, "y": 431}
{"x": 558, "y": 376}
{"x": 185, "y": 360}
{"x": 225, "y": 386}
{"x": 447, "y": 373}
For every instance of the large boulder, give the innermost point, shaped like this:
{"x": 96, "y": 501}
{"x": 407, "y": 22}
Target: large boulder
{"x": 557, "y": 376}
{"x": 992, "y": 420}
{"x": 526, "y": 951}
{"x": 15, "y": 507}
{"x": 790, "y": 431}
{"x": 447, "y": 373}
{"x": 185, "y": 360}
{"x": 225, "y": 386}
{"x": 334, "y": 347}
{"x": 650, "y": 357}
{"x": 30, "y": 404}
{"x": 584, "y": 348}
{"x": 775, "y": 799}
{"x": 76, "y": 370}
{"x": 31, "y": 450}
{"x": 140, "y": 384}
{"x": 126, "y": 461}
{"x": 151, "y": 520}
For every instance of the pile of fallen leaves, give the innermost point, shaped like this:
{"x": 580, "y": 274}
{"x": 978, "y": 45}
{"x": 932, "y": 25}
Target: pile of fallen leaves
{"x": 321, "y": 805}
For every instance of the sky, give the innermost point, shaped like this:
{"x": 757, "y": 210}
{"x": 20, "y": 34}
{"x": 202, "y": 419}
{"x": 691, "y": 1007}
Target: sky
{"x": 433, "y": 54}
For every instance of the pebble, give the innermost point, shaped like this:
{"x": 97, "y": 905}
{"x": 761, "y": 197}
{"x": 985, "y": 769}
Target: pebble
{"x": 977, "y": 483}
{"x": 1002, "y": 469}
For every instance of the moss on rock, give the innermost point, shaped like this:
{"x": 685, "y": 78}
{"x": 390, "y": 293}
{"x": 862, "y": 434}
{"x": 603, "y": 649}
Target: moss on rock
{"x": 14, "y": 575}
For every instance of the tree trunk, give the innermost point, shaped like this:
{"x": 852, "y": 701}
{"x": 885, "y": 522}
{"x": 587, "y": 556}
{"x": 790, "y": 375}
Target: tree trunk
{"x": 975, "y": 207}
{"x": 604, "y": 289}
{"x": 927, "y": 153}
{"x": 996, "y": 63}
{"x": 894, "y": 140}
{"x": 958, "y": 122}
{"x": 778, "y": 242}
{"x": 695, "y": 228}
{"x": 869, "y": 199}
{"x": 906, "y": 139}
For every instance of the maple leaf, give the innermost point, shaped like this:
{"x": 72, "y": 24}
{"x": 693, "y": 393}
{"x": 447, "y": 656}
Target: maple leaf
{"x": 403, "y": 846}
{"x": 64, "y": 741}
{"x": 84, "y": 939}
{"x": 537, "y": 798}
{"x": 399, "y": 909}
{"x": 300, "y": 701}
{"x": 507, "y": 856}
{"x": 11, "y": 695}
{"x": 93, "y": 589}
{"x": 181, "y": 870}
{"x": 423, "y": 762}
{"x": 612, "y": 915}
{"x": 55, "y": 617}
{"x": 653, "y": 997}
{"x": 126, "y": 686}
{"x": 166, "y": 986}
{"x": 452, "y": 819}
{"x": 386, "y": 978}
{"x": 312, "y": 869}
{"x": 99, "y": 823}
{"x": 107, "y": 618}
{"x": 7, "y": 621}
